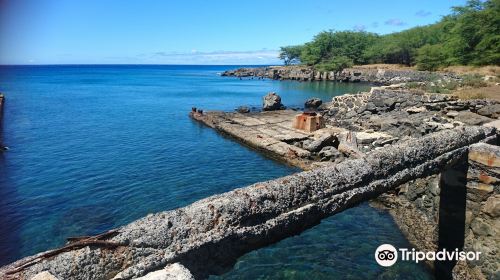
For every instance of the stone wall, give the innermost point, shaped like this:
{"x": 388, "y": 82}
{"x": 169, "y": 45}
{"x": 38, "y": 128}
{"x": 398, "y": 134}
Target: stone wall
{"x": 440, "y": 211}
{"x": 406, "y": 113}
{"x": 482, "y": 226}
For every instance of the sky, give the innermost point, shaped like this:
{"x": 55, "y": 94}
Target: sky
{"x": 189, "y": 31}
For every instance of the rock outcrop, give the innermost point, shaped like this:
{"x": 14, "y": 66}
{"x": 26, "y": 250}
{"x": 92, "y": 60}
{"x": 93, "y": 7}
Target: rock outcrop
{"x": 271, "y": 102}
{"x": 404, "y": 113}
{"x": 355, "y": 74}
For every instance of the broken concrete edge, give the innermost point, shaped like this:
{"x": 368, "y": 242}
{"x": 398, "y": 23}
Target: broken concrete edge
{"x": 215, "y": 120}
{"x": 209, "y": 235}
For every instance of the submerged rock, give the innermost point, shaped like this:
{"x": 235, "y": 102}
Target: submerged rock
{"x": 271, "y": 102}
{"x": 243, "y": 109}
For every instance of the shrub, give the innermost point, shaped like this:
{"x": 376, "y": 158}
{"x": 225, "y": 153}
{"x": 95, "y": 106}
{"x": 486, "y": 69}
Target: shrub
{"x": 336, "y": 64}
{"x": 430, "y": 57}
{"x": 474, "y": 80}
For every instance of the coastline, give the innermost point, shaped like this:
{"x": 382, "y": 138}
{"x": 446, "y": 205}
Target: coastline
{"x": 377, "y": 115}
{"x": 414, "y": 201}
{"x": 354, "y": 74}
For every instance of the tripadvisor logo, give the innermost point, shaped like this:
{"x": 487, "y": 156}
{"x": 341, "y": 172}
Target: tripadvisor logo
{"x": 387, "y": 255}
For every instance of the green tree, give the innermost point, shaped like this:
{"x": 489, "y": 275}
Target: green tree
{"x": 329, "y": 44}
{"x": 290, "y": 54}
{"x": 336, "y": 64}
{"x": 430, "y": 57}
{"x": 469, "y": 35}
{"x": 310, "y": 54}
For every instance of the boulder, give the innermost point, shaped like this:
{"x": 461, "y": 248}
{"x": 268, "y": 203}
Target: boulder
{"x": 365, "y": 138}
{"x": 174, "y": 271}
{"x": 348, "y": 144}
{"x": 44, "y": 275}
{"x": 452, "y": 114}
{"x": 470, "y": 118}
{"x": 271, "y": 102}
{"x": 495, "y": 124}
{"x": 415, "y": 109}
{"x": 492, "y": 206}
{"x": 243, "y": 109}
{"x": 481, "y": 228}
{"x": 313, "y": 103}
{"x": 316, "y": 145}
{"x": 329, "y": 153}
{"x": 490, "y": 111}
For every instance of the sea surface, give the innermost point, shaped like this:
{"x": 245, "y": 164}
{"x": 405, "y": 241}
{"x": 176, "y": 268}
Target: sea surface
{"x": 96, "y": 147}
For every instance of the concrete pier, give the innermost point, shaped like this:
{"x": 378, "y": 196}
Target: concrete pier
{"x": 208, "y": 236}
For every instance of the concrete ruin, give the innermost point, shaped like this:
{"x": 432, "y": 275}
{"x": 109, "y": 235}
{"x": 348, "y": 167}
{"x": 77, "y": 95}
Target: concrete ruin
{"x": 208, "y": 236}
{"x": 308, "y": 122}
{"x": 439, "y": 178}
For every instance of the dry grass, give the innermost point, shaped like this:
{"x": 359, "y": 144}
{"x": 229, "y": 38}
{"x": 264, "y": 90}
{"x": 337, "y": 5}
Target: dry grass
{"x": 490, "y": 70}
{"x": 384, "y": 66}
{"x": 489, "y": 92}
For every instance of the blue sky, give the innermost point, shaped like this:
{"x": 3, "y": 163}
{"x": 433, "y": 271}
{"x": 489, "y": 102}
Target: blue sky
{"x": 189, "y": 31}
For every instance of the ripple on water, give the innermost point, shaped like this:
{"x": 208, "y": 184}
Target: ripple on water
{"x": 95, "y": 147}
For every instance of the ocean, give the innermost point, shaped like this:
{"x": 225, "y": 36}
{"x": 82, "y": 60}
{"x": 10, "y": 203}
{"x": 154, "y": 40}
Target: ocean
{"x": 93, "y": 147}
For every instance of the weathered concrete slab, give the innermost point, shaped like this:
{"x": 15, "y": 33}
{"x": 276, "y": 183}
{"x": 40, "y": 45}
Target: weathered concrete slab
{"x": 270, "y": 132}
{"x": 209, "y": 235}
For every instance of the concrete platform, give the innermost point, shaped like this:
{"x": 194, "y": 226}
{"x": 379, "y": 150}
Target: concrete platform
{"x": 269, "y": 132}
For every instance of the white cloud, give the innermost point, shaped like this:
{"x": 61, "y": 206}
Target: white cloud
{"x": 216, "y": 57}
{"x": 395, "y": 22}
{"x": 359, "y": 27}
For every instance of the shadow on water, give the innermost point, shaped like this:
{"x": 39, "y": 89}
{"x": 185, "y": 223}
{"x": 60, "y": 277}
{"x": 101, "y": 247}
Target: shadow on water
{"x": 9, "y": 231}
{"x": 84, "y": 220}
{"x": 451, "y": 214}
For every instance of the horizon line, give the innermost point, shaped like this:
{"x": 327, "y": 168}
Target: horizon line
{"x": 137, "y": 64}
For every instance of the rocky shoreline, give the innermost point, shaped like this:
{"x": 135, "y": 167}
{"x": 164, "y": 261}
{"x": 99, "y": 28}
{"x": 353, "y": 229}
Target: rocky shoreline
{"x": 357, "y": 125}
{"x": 207, "y": 236}
{"x": 383, "y": 141}
{"x": 353, "y": 74}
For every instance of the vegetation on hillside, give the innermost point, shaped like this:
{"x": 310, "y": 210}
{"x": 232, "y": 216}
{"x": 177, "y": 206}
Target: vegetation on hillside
{"x": 470, "y": 35}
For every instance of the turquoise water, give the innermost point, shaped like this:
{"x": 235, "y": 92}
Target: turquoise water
{"x": 95, "y": 147}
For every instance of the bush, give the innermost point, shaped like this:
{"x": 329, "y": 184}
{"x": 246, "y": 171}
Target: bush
{"x": 430, "y": 57}
{"x": 470, "y": 35}
{"x": 412, "y": 85}
{"x": 473, "y": 80}
{"x": 336, "y": 64}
